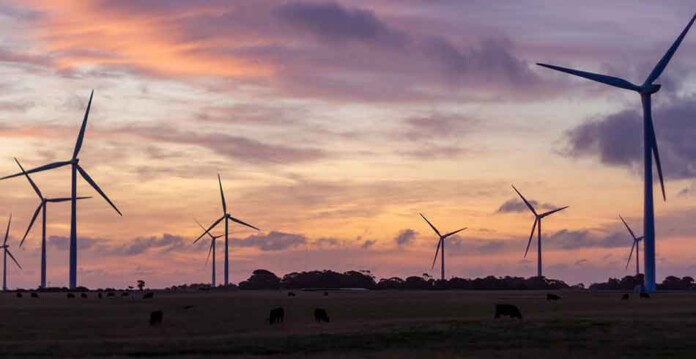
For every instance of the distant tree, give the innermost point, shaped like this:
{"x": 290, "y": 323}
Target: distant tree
{"x": 261, "y": 279}
{"x": 390, "y": 283}
{"x": 141, "y": 284}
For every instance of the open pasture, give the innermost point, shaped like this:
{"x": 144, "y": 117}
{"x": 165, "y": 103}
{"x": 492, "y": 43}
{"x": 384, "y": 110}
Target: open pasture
{"x": 363, "y": 324}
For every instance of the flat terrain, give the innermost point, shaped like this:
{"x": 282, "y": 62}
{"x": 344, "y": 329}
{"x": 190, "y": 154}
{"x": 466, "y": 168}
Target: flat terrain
{"x": 392, "y": 324}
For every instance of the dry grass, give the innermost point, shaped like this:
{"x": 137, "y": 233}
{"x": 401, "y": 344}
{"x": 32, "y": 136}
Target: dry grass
{"x": 370, "y": 324}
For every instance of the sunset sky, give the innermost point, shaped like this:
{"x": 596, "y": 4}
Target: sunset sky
{"x": 333, "y": 124}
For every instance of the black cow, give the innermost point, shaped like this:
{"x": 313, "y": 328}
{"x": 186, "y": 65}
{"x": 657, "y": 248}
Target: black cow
{"x": 326, "y": 294}
{"x": 320, "y": 315}
{"x": 71, "y": 296}
{"x": 644, "y": 295}
{"x": 125, "y": 294}
{"x": 291, "y": 294}
{"x": 507, "y": 310}
{"x": 156, "y": 318}
{"x": 19, "y": 295}
{"x": 83, "y": 295}
{"x": 625, "y": 296}
{"x": 276, "y": 316}
{"x": 99, "y": 295}
{"x": 34, "y": 295}
{"x": 149, "y": 295}
{"x": 550, "y": 296}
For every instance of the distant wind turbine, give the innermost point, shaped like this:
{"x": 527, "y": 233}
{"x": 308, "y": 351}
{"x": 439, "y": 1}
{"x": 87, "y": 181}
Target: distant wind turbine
{"x": 441, "y": 243}
{"x": 537, "y": 225}
{"x": 210, "y": 250}
{"x": 6, "y": 252}
{"x": 75, "y": 166}
{"x": 636, "y": 245}
{"x": 646, "y": 90}
{"x": 41, "y": 208}
{"x": 226, "y": 217}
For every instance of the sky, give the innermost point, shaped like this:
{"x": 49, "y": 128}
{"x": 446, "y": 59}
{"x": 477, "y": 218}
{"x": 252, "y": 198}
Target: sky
{"x": 333, "y": 124}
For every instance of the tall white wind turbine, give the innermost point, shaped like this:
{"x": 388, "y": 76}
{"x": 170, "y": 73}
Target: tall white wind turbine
{"x": 441, "y": 244}
{"x": 227, "y": 218}
{"x": 536, "y": 226}
{"x": 636, "y": 245}
{"x": 210, "y": 250}
{"x": 74, "y": 162}
{"x": 646, "y": 90}
{"x": 6, "y": 252}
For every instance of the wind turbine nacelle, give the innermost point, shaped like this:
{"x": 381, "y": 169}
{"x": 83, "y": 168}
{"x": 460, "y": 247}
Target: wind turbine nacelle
{"x": 650, "y": 89}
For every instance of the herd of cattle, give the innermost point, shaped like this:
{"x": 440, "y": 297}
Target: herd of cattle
{"x": 277, "y": 315}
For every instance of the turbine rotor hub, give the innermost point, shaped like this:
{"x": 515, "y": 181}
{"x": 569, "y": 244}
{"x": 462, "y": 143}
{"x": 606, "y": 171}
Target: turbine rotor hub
{"x": 650, "y": 89}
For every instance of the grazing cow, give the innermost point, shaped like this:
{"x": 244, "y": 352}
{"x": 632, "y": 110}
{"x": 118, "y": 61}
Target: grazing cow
{"x": 326, "y": 294}
{"x": 276, "y": 316}
{"x": 644, "y": 295}
{"x": 110, "y": 294}
{"x": 320, "y": 315}
{"x": 149, "y": 295}
{"x": 625, "y": 296}
{"x": 83, "y": 295}
{"x": 291, "y": 294}
{"x": 156, "y": 318}
{"x": 19, "y": 295}
{"x": 99, "y": 295}
{"x": 71, "y": 296}
{"x": 507, "y": 310}
{"x": 188, "y": 306}
{"x": 124, "y": 294}
{"x": 550, "y": 296}
{"x": 34, "y": 295}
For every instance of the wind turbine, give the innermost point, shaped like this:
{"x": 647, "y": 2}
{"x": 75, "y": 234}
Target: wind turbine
{"x": 74, "y": 162}
{"x": 537, "y": 225}
{"x": 210, "y": 250}
{"x": 6, "y": 252}
{"x": 227, "y": 217}
{"x": 636, "y": 245}
{"x": 441, "y": 243}
{"x": 41, "y": 208}
{"x": 646, "y": 90}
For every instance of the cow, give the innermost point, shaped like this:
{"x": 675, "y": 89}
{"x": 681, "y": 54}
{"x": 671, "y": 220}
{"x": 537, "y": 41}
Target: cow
{"x": 644, "y": 295}
{"x": 291, "y": 294}
{"x": 326, "y": 294}
{"x": 550, "y": 296}
{"x": 83, "y": 295}
{"x": 149, "y": 295}
{"x": 34, "y": 295}
{"x": 320, "y": 315}
{"x": 99, "y": 295}
{"x": 110, "y": 294}
{"x": 625, "y": 296}
{"x": 507, "y": 310}
{"x": 125, "y": 294}
{"x": 156, "y": 318}
{"x": 71, "y": 296}
{"x": 276, "y": 316}
{"x": 19, "y": 295}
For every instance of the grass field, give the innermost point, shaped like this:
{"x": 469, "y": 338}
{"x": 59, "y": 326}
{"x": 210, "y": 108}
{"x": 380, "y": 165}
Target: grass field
{"x": 393, "y": 324}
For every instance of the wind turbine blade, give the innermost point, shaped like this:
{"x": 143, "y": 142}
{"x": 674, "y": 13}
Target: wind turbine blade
{"x": 241, "y": 222}
{"x": 453, "y": 233}
{"x": 210, "y": 250}
{"x": 7, "y": 233}
{"x": 222, "y": 196}
{"x": 13, "y": 258}
{"x": 64, "y": 199}
{"x": 209, "y": 228}
{"x": 639, "y": 238}
{"x": 658, "y": 164}
{"x": 31, "y": 223}
{"x": 437, "y": 250}
{"x": 607, "y": 80}
{"x": 431, "y": 225}
{"x": 81, "y": 135}
{"x": 529, "y": 205}
{"x": 203, "y": 228}
{"x": 662, "y": 64}
{"x": 531, "y": 235}
{"x": 629, "y": 228}
{"x": 33, "y": 185}
{"x": 554, "y": 211}
{"x": 630, "y": 255}
{"x": 96, "y": 187}
{"x": 39, "y": 169}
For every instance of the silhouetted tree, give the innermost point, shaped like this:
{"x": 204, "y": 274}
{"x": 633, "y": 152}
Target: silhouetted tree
{"x": 141, "y": 284}
{"x": 261, "y": 279}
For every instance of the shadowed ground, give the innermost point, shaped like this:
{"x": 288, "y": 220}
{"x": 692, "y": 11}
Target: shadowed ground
{"x": 363, "y": 324}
